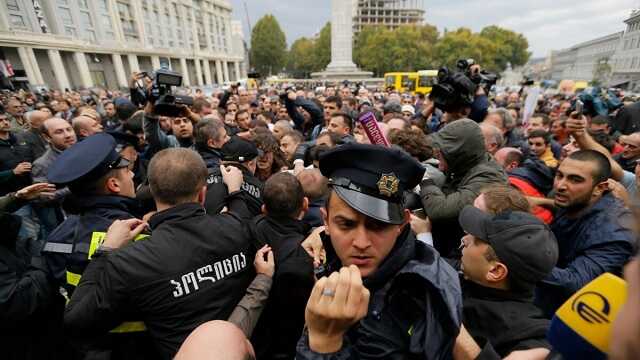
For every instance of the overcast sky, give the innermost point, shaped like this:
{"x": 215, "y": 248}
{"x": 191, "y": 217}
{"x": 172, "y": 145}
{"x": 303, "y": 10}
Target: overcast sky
{"x": 547, "y": 24}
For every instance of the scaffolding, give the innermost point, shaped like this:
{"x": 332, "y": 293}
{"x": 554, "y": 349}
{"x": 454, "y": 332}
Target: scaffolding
{"x": 388, "y": 13}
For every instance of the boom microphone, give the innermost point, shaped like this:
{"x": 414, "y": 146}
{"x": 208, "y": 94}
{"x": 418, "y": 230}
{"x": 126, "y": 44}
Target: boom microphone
{"x": 581, "y": 328}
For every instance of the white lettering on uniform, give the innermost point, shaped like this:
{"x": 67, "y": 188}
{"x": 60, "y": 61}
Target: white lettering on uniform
{"x": 190, "y": 282}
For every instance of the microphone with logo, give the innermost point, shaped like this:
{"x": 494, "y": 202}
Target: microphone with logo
{"x": 581, "y": 328}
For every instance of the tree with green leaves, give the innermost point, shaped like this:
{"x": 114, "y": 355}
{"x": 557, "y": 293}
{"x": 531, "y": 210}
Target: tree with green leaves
{"x": 464, "y": 44}
{"x": 301, "y": 61}
{"x": 268, "y": 46}
{"x": 322, "y": 48}
{"x": 511, "y": 47}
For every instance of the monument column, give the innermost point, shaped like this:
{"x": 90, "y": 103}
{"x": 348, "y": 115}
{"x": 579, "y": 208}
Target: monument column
{"x": 341, "y": 66}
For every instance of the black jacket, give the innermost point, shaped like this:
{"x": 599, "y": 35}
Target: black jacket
{"x": 415, "y": 307}
{"x": 217, "y": 192}
{"x": 509, "y": 321}
{"x": 194, "y": 268}
{"x": 12, "y": 152}
{"x": 30, "y": 305}
{"x": 627, "y": 120}
{"x": 35, "y": 141}
{"x": 282, "y": 320}
{"x": 316, "y": 113}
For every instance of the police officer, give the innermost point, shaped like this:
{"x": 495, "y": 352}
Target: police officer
{"x": 243, "y": 154}
{"x": 102, "y": 191}
{"x": 385, "y": 294}
{"x": 195, "y": 267}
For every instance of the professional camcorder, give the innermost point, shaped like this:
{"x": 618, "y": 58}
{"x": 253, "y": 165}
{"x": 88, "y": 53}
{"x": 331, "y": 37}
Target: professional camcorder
{"x": 481, "y": 78}
{"x": 453, "y": 91}
{"x": 165, "y": 102}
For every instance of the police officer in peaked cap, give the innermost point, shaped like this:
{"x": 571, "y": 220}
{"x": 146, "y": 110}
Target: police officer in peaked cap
{"x": 102, "y": 191}
{"x": 403, "y": 301}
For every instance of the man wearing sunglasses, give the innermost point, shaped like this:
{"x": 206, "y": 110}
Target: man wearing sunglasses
{"x": 102, "y": 191}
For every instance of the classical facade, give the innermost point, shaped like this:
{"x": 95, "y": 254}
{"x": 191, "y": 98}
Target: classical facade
{"x": 626, "y": 60}
{"x": 69, "y": 44}
{"x": 389, "y": 13}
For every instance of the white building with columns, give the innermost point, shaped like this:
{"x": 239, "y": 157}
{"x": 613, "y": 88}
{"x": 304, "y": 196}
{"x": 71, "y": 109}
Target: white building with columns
{"x": 68, "y": 44}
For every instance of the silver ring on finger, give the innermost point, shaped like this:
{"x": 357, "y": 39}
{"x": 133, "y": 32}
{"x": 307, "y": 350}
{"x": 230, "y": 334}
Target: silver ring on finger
{"x": 328, "y": 292}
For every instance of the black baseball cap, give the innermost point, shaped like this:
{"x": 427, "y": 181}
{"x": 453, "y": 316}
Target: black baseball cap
{"x": 520, "y": 240}
{"x": 124, "y": 139}
{"x": 372, "y": 179}
{"x": 239, "y": 150}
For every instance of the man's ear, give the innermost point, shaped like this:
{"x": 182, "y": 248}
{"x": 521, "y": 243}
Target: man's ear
{"x": 407, "y": 218}
{"x": 113, "y": 185}
{"x": 600, "y": 189}
{"x": 305, "y": 207}
{"x": 263, "y": 209}
{"x": 497, "y": 273}
{"x": 202, "y": 195}
{"x": 325, "y": 219}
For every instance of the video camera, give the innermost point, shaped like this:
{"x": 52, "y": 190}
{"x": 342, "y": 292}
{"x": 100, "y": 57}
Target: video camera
{"x": 453, "y": 91}
{"x": 481, "y": 78}
{"x": 165, "y": 102}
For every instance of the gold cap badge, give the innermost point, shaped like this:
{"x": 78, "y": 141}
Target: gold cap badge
{"x": 388, "y": 184}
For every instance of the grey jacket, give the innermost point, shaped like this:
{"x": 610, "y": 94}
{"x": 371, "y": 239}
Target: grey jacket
{"x": 470, "y": 169}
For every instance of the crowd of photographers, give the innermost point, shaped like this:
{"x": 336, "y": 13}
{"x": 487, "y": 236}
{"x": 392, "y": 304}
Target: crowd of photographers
{"x": 567, "y": 173}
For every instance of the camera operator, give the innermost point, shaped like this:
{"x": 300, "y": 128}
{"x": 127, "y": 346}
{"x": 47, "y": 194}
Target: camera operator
{"x": 454, "y": 95}
{"x": 181, "y": 125}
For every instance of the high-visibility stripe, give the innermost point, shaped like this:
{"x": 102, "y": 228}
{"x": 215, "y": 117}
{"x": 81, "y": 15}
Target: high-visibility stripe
{"x": 129, "y": 326}
{"x": 73, "y": 278}
{"x": 58, "y": 248}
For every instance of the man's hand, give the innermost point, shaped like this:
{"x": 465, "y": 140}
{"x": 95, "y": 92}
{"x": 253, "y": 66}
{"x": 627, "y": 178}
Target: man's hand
{"x": 36, "y": 190}
{"x": 419, "y": 225}
{"x": 291, "y": 95}
{"x": 619, "y": 191}
{"x": 313, "y": 246}
{"x": 22, "y": 168}
{"x": 122, "y": 232}
{"x": 335, "y": 304}
{"x": 264, "y": 262}
{"x": 576, "y": 125}
{"x": 232, "y": 177}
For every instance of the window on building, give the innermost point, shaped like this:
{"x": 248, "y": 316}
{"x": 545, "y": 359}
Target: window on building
{"x": 633, "y": 43}
{"x": 65, "y": 15}
{"x": 12, "y": 5}
{"x": 17, "y": 21}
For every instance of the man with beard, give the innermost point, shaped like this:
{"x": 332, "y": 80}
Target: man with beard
{"x": 593, "y": 228}
{"x": 630, "y": 153}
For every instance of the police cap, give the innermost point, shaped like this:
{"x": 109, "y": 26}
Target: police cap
{"x": 239, "y": 150}
{"x": 372, "y": 178}
{"x": 86, "y": 160}
{"x": 123, "y": 139}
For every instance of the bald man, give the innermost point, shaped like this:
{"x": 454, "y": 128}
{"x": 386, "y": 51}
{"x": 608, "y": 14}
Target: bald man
{"x": 216, "y": 340}
{"x": 60, "y": 136}
{"x": 509, "y": 158}
{"x": 85, "y": 125}
{"x": 492, "y": 137}
{"x": 631, "y": 151}
{"x": 34, "y": 137}
{"x": 315, "y": 187}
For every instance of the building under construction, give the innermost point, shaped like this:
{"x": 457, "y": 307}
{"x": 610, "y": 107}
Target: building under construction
{"x": 389, "y": 13}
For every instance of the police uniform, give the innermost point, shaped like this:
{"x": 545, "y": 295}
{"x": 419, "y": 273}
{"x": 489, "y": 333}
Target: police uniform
{"x": 415, "y": 304}
{"x": 234, "y": 153}
{"x": 70, "y": 247}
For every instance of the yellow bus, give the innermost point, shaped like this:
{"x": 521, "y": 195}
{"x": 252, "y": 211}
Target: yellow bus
{"x": 426, "y": 80}
{"x": 401, "y": 81}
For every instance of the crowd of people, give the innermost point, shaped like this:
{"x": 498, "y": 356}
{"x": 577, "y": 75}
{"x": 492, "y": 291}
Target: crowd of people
{"x": 263, "y": 223}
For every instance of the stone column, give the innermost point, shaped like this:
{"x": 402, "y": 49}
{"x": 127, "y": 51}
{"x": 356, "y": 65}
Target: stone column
{"x": 155, "y": 62}
{"x": 58, "y": 69}
{"x": 31, "y": 67}
{"x": 237, "y": 67}
{"x": 198, "y": 72}
{"x": 207, "y": 72}
{"x": 185, "y": 72}
{"x": 225, "y": 70}
{"x": 341, "y": 35}
{"x": 133, "y": 63}
{"x": 83, "y": 69}
{"x": 219, "y": 76}
{"x": 120, "y": 73}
